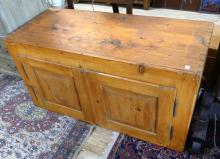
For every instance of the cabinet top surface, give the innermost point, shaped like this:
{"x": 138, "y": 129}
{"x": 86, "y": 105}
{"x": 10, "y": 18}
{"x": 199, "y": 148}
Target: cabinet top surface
{"x": 178, "y": 45}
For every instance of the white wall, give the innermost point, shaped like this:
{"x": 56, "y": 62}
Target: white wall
{"x": 14, "y": 13}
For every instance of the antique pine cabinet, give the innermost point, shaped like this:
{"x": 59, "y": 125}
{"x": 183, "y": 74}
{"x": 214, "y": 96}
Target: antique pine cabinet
{"x": 133, "y": 74}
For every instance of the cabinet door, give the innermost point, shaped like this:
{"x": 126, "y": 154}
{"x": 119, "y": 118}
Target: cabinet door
{"x": 59, "y": 88}
{"x": 135, "y": 108}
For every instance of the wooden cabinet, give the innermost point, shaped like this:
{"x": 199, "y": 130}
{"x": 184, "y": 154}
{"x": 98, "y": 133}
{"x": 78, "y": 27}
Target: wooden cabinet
{"x": 133, "y": 107}
{"x": 58, "y": 88}
{"x": 141, "y": 80}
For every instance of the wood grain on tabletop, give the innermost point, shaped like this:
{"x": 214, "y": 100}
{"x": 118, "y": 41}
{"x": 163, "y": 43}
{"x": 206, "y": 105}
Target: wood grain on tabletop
{"x": 152, "y": 41}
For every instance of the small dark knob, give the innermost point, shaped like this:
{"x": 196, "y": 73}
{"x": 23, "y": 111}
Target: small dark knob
{"x": 141, "y": 68}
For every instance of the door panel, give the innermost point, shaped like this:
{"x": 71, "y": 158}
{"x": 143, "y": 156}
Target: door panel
{"x": 131, "y": 108}
{"x": 59, "y": 88}
{"x": 135, "y": 108}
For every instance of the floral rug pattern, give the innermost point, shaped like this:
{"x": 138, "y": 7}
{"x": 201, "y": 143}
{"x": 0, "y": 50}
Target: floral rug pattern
{"x": 29, "y": 132}
{"x": 127, "y": 147}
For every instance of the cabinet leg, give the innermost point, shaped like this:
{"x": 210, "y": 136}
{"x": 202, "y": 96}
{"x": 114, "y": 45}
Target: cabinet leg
{"x": 115, "y": 7}
{"x": 146, "y": 4}
{"x": 70, "y": 4}
{"x": 129, "y": 8}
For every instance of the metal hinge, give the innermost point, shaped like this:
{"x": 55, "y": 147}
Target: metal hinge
{"x": 171, "y": 132}
{"x": 174, "y": 107}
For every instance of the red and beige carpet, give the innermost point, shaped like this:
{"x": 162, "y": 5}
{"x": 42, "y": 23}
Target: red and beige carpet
{"x": 29, "y": 132}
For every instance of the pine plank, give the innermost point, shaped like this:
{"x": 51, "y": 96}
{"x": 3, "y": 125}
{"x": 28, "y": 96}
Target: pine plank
{"x": 138, "y": 39}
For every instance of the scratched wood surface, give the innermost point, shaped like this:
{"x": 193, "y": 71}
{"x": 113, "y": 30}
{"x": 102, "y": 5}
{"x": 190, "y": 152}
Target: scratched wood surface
{"x": 159, "y": 42}
{"x": 112, "y": 59}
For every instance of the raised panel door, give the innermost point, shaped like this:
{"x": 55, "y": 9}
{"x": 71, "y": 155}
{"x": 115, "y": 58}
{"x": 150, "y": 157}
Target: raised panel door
{"x": 59, "y": 88}
{"x": 132, "y": 107}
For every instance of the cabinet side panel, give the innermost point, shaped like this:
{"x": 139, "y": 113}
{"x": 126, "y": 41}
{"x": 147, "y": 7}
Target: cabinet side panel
{"x": 187, "y": 88}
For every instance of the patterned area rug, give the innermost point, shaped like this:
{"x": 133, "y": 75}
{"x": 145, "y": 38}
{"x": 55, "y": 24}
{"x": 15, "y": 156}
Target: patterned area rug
{"x": 29, "y": 132}
{"x": 127, "y": 147}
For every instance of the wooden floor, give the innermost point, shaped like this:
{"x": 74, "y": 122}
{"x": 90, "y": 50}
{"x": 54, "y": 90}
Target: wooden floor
{"x": 98, "y": 145}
